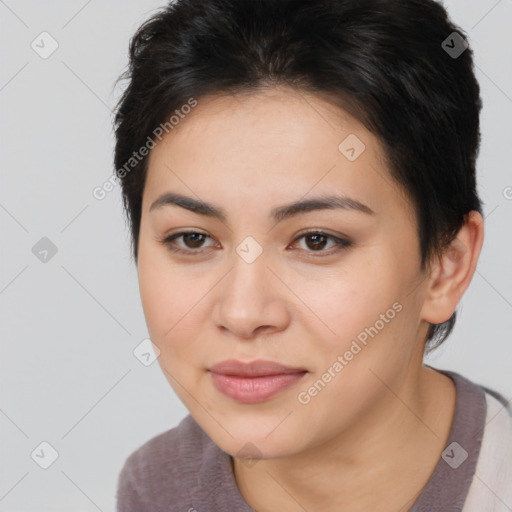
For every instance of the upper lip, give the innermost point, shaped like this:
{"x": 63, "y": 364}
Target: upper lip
{"x": 257, "y": 368}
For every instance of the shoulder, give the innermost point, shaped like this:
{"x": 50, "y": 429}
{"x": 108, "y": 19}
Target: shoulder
{"x": 491, "y": 488}
{"x": 497, "y": 439}
{"x": 159, "y": 471}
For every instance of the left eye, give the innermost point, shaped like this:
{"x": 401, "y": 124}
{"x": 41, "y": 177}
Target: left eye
{"x": 318, "y": 241}
{"x": 193, "y": 241}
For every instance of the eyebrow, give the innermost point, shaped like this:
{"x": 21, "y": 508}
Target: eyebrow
{"x": 277, "y": 214}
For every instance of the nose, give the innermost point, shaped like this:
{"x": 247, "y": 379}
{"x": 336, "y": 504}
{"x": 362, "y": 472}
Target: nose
{"x": 251, "y": 300}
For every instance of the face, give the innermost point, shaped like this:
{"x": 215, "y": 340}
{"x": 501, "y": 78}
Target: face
{"x": 334, "y": 294}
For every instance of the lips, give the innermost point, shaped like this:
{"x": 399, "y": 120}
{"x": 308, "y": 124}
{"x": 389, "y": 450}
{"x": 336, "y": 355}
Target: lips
{"x": 253, "y": 382}
{"x": 258, "y": 368}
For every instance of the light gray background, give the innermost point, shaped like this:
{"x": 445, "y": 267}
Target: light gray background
{"x": 69, "y": 326}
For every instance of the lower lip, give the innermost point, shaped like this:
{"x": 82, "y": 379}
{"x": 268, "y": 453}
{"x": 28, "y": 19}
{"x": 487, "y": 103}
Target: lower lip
{"x": 254, "y": 389}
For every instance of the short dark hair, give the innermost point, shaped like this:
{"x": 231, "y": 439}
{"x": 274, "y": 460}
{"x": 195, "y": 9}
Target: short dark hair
{"x": 382, "y": 60}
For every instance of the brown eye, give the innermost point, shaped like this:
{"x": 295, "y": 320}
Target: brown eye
{"x": 195, "y": 239}
{"x": 192, "y": 241}
{"x": 316, "y": 241}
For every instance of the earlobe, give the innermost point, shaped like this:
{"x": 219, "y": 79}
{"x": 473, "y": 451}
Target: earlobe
{"x": 453, "y": 271}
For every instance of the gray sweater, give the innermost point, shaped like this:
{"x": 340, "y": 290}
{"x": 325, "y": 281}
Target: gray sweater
{"x": 183, "y": 470}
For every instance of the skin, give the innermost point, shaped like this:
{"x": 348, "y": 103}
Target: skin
{"x": 371, "y": 438}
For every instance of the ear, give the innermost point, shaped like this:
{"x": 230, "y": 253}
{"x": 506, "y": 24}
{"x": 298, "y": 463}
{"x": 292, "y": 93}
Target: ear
{"x": 452, "y": 272}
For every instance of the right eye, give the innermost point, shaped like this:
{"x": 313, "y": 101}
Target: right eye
{"x": 193, "y": 241}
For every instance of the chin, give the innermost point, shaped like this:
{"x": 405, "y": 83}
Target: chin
{"x": 246, "y": 448}
{"x": 252, "y": 437}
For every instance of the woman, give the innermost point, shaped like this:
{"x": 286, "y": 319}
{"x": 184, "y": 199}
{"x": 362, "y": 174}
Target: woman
{"x": 299, "y": 178}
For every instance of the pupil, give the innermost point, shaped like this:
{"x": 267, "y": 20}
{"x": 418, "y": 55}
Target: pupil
{"x": 315, "y": 244}
{"x": 199, "y": 235}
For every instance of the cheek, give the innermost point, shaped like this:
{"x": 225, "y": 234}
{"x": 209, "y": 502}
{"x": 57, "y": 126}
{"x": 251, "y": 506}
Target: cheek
{"x": 167, "y": 296}
{"x": 347, "y": 302}
{"x": 365, "y": 315}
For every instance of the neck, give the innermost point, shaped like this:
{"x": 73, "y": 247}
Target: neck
{"x": 392, "y": 452}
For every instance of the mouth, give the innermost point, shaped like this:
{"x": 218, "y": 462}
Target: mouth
{"x": 253, "y": 382}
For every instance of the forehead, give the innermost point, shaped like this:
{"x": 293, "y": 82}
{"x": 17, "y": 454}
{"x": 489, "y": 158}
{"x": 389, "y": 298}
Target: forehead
{"x": 271, "y": 146}
{"x": 272, "y": 118}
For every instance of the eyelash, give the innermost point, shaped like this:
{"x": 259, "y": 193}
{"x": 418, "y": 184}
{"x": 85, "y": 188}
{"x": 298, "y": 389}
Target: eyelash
{"x": 340, "y": 242}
